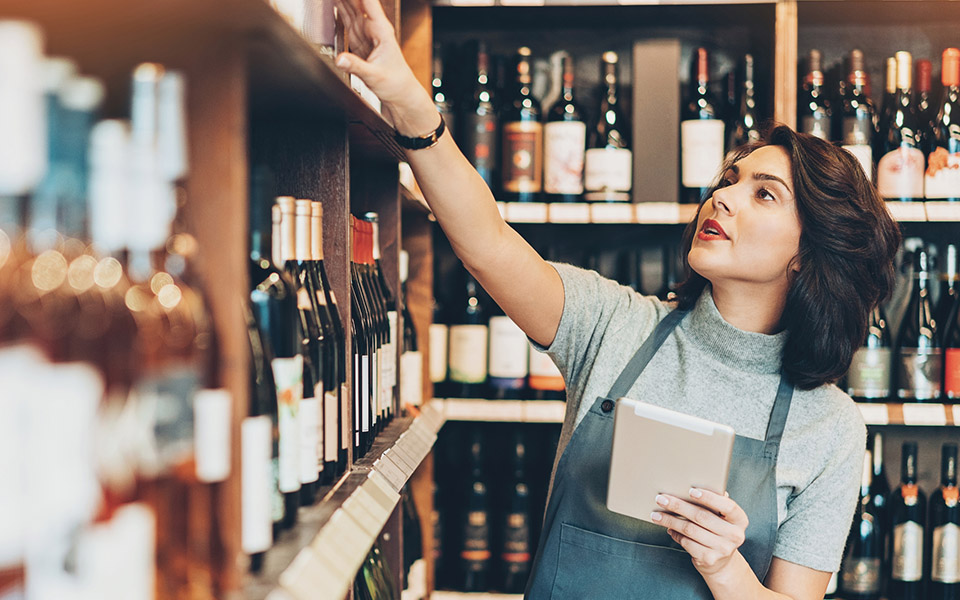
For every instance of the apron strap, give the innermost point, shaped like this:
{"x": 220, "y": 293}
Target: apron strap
{"x": 781, "y": 407}
{"x": 639, "y": 361}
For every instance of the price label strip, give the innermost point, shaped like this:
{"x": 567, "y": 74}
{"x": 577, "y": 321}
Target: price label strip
{"x": 943, "y": 211}
{"x": 956, "y": 415}
{"x": 361, "y": 513}
{"x": 874, "y": 414}
{"x": 907, "y": 211}
{"x": 612, "y": 212}
{"x": 658, "y": 212}
{"x": 924, "y": 414}
{"x": 527, "y": 212}
{"x": 309, "y": 577}
{"x": 569, "y": 212}
{"x": 550, "y": 411}
{"x": 391, "y": 473}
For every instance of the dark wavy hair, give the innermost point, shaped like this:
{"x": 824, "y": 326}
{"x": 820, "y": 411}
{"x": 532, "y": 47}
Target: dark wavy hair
{"x": 847, "y": 244}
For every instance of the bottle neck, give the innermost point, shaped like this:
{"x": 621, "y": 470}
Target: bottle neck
{"x": 948, "y": 470}
{"x": 316, "y": 237}
{"x": 302, "y": 237}
{"x": 908, "y": 468}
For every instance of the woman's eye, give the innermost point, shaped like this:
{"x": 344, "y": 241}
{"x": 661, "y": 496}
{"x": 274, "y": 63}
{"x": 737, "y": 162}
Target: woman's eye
{"x": 765, "y": 194}
{"x": 725, "y": 182}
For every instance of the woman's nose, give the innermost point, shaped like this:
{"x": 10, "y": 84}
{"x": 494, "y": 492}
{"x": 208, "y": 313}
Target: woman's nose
{"x": 723, "y": 200}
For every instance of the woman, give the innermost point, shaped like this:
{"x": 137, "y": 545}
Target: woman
{"x": 785, "y": 259}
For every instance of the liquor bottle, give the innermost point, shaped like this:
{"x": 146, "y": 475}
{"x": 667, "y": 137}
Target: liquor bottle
{"x": 364, "y": 345}
{"x": 479, "y": 124}
{"x": 475, "y": 553}
{"x": 515, "y": 555}
{"x": 907, "y": 508}
{"x": 901, "y": 161}
{"x": 868, "y": 379}
{"x": 608, "y": 164}
{"x": 667, "y": 291}
{"x": 814, "y": 106}
{"x": 439, "y": 334}
{"x": 381, "y": 327}
{"x": 564, "y": 144}
{"x": 522, "y": 159}
{"x": 889, "y": 101}
{"x": 860, "y": 574}
{"x": 947, "y": 298}
{"x": 858, "y": 116}
{"x": 918, "y": 359}
{"x": 468, "y": 344}
{"x": 944, "y": 580}
{"x": 442, "y": 98}
{"x": 942, "y": 179}
{"x": 701, "y": 133}
{"x": 507, "y": 364}
{"x": 545, "y": 380}
{"x": 388, "y": 375}
{"x": 411, "y": 359}
{"x": 879, "y": 488}
{"x": 746, "y": 125}
{"x": 926, "y": 110}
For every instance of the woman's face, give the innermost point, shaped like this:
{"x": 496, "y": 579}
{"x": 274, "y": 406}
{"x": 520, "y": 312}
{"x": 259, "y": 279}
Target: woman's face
{"x": 749, "y": 231}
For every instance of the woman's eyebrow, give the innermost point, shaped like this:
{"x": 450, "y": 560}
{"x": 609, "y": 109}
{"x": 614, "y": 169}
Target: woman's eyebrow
{"x": 769, "y": 177}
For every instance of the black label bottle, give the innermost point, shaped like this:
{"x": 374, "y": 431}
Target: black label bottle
{"x": 814, "y": 106}
{"x": 945, "y": 531}
{"x": 868, "y": 379}
{"x": 900, "y": 155}
{"x": 860, "y": 574}
{"x": 608, "y": 167}
{"x": 468, "y": 345}
{"x": 907, "y": 518}
{"x": 479, "y": 124}
{"x": 746, "y": 125}
{"x": 515, "y": 554}
{"x": 858, "y": 116}
{"x": 522, "y": 165}
{"x": 442, "y": 98}
{"x": 918, "y": 359}
{"x": 701, "y": 134}
{"x": 942, "y": 179}
{"x": 564, "y": 144}
{"x": 475, "y": 553}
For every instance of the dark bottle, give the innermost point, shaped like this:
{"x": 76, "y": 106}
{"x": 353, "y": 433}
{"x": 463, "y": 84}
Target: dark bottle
{"x": 442, "y": 98}
{"x": 522, "y": 164}
{"x": 667, "y": 291}
{"x": 944, "y": 579}
{"x": 411, "y": 359}
{"x": 907, "y": 508}
{"x": 942, "y": 179}
{"x": 814, "y": 106}
{"x": 608, "y": 164}
{"x": 630, "y": 271}
{"x": 377, "y": 304}
{"x": 860, "y": 574}
{"x": 899, "y": 146}
{"x": 363, "y": 347}
{"x": 516, "y": 553}
{"x": 947, "y": 298}
{"x": 858, "y": 116}
{"x": 879, "y": 493}
{"x": 746, "y": 125}
{"x": 468, "y": 344}
{"x": 918, "y": 359}
{"x": 701, "y": 133}
{"x": 507, "y": 361}
{"x": 436, "y": 544}
{"x": 479, "y": 123}
{"x": 926, "y": 109}
{"x": 475, "y": 553}
{"x": 388, "y": 362}
{"x": 564, "y": 144}
{"x": 412, "y": 535}
{"x": 889, "y": 95}
{"x": 868, "y": 379}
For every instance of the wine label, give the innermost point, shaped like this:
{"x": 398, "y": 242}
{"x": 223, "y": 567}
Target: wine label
{"x": 508, "y": 349}
{"x": 861, "y": 575}
{"x": 331, "y": 414}
{"x": 468, "y": 353}
{"x": 946, "y": 554}
{"x": 544, "y": 374}
{"x": 288, "y": 377}
{"x": 864, "y": 155}
{"x": 701, "y": 152}
{"x": 869, "y": 374}
{"x": 900, "y": 173}
{"x": 523, "y": 156}
{"x": 479, "y": 138}
{"x": 113, "y": 559}
{"x": 256, "y": 484}
{"x": 817, "y": 125}
{"x": 942, "y": 179}
{"x": 908, "y": 552}
{"x": 309, "y": 439}
{"x": 439, "y": 336}
{"x": 366, "y": 398}
{"x": 346, "y": 417}
{"x": 564, "y": 144}
{"x": 165, "y": 406}
{"x": 390, "y": 354}
{"x": 608, "y": 174}
{"x": 411, "y": 378}
{"x": 516, "y": 542}
{"x": 919, "y": 373}
{"x": 951, "y": 373}
{"x": 211, "y": 434}
{"x": 476, "y": 541}
{"x": 857, "y": 131}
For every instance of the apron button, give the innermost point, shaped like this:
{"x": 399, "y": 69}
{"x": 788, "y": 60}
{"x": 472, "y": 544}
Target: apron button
{"x": 606, "y": 406}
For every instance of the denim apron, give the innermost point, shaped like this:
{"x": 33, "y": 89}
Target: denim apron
{"x": 587, "y": 551}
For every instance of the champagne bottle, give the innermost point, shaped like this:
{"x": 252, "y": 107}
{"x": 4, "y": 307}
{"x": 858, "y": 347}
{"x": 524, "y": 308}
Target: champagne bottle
{"x": 522, "y": 166}
{"x": 918, "y": 358}
{"x": 815, "y": 110}
{"x": 515, "y": 555}
{"x": 860, "y": 574}
{"x": 942, "y": 179}
{"x": 564, "y": 144}
{"x": 858, "y": 115}
{"x": 907, "y": 519}
{"x": 475, "y": 553}
{"x": 608, "y": 164}
{"x": 868, "y": 379}
{"x": 926, "y": 110}
{"x": 947, "y": 298}
{"x": 480, "y": 123}
{"x": 901, "y": 161}
{"x": 442, "y": 98}
{"x": 888, "y": 103}
{"x": 944, "y": 577}
{"x": 701, "y": 133}
{"x": 746, "y": 125}
{"x": 468, "y": 344}
{"x": 879, "y": 493}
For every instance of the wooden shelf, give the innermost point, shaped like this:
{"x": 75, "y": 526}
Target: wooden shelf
{"x": 911, "y": 414}
{"x": 319, "y": 558}
{"x": 501, "y": 411}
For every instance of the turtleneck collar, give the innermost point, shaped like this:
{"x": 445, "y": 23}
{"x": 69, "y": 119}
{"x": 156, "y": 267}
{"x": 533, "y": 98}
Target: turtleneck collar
{"x": 744, "y": 350}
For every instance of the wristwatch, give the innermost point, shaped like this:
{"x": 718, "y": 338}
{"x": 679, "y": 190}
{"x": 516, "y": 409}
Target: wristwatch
{"x": 420, "y": 143}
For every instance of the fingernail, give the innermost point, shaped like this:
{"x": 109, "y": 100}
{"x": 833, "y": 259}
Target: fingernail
{"x": 656, "y": 516}
{"x": 695, "y": 493}
{"x": 662, "y": 500}
{"x": 341, "y": 62}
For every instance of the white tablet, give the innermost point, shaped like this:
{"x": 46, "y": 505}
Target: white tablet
{"x": 657, "y": 450}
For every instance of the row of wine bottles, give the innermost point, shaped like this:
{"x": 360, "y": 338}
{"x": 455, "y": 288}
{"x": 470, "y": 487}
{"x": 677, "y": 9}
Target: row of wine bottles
{"x": 924, "y": 363}
{"x": 901, "y": 546}
{"x": 109, "y": 380}
{"x": 910, "y": 147}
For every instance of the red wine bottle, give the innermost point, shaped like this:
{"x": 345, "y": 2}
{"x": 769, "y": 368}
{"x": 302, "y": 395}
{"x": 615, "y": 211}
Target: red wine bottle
{"x": 701, "y": 133}
{"x": 907, "y": 519}
{"x": 475, "y": 552}
{"x": 564, "y": 144}
{"x": 944, "y": 513}
{"x": 515, "y": 555}
{"x": 608, "y": 165}
{"x": 468, "y": 344}
{"x": 942, "y": 179}
{"x": 858, "y": 115}
{"x": 746, "y": 125}
{"x": 860, "y": 574}
{"x": 815, "y": 110}
{"x": 507, "y": 363}
{"x": 918, "y": 358}
{"x": 522, "y": 165}
{"x": 479, "y": 124}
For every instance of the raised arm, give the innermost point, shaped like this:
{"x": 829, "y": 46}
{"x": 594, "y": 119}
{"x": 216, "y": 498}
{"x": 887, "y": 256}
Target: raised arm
{"x": 516, "y": 277}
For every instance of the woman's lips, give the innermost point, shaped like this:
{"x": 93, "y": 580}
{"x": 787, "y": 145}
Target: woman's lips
{"x": 711, "y": 231}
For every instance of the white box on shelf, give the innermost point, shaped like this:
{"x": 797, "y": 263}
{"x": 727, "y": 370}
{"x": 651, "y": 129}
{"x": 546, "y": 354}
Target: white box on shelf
{"x": 345, "y": 535}
{"x": 874, "y": 414}
{"x": 544, "y": 411}
{"x": 907, "y": 211}
{"x": 924, "y": 414}
{"x": 658, "y": 212}
{"x": 526, "y": 212}
{"x": 379, "y": 512}
{"x": 401, "y": 463}
{"x": 942, "y": 211}
{"x": 569, "y": 212}
{"x": 612, "y": 212}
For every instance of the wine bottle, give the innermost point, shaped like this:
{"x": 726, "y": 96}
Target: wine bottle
{"x": 907, "y": 519}
{"x": 889, "y": 101}
{"x": 475, "y": 553}
{"x": 468, "y": 345}
{"x": 944, "y": 577}
{"x": 815, "y": 110}
{"x": 507, "y": 364}
{"x": 667, "y": 291}
{"x": 439, "y": 333}
{"x": 545, "y": 380}
{"x": 388, "y": 380}
{"x": 918, "y": 358}
{"x": 947, "y": 297}
{"x": 630, "y": 270}
{"x": 480, "y": 123}
{"x": 522, "y": 164}
{"x": 868, "y": 379}
{"x": 942, "y": 179}
{"x": 412, "y": 540}
{"x": 364, "y": 347}
{"x": 901, "y": 161}
{"x": 515, "y": 555}
{"x": 411, "y": 359}
{"x": 746, "y": 125}
{"x": 701, "y": 133}
{"x": 926, "y": 110}
{"x": 381, "y": 327}
{"x": 879, "y": 488}
{"x": 860, "y": 574}
{"x": 608, "y": 163}
{"x": 442, "y": 98}
{"x": 858, "y": 115}
{"x": 564, "y": 144}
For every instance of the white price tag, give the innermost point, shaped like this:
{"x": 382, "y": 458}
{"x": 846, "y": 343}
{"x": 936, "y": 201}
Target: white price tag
{"x": 522, "y": 2}
{"x": 569, "y": 212}
{"x": 404, "y": 455}
{"x": 942, "y": 211}
{"x": 471, "y": 2}
{"x": 361, "y": 514}
{"x": 907, "y": 211}
{"x": 874, "y": 414}
{"x": 527, "y": 212}
{"x": 333, "y": 558}
{"x": 924, "y": 414}
{"x": 612, "y": 212}
{"x": 307, "y": 574}
{"x": 381, "y": 492}
{"x": 544, "y": 411}
{"x": 502, "y": 207}
{"x": 390, "y": 472}
{"x": 401, "y": 461}
{"x": 658, "y": 212}
{"x": 380, "y": 512}
{"x": 345, "y": 535}
{"x": 956, "y": 415}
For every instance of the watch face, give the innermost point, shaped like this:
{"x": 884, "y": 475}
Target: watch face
{"x": 419, "y": 143}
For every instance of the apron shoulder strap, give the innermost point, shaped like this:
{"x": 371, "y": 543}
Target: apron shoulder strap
{"x": 649, "y": 347}
{"x": 781, "y": 408}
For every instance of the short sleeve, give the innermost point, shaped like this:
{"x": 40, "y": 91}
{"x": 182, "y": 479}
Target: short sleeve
{"x": 818, "y": 520}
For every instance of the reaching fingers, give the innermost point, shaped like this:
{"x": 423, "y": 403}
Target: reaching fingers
{"x": 353, "y": 64}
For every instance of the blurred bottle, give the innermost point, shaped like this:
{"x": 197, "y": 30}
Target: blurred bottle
{"x": 858, "y": 115}
{"x": 899, "y": 144}
{"x": 942, "y": 179}
{"x": 860, "y": 574}
{"x": 746, "y": 124}
{"x": 442, "y": 98}
{"x": 608, "y": 163}
{"x": 907, "y": 508}
{"x": 814, "y": 106}
{"x": 411, "y": 359}
{"x": 944, "y": 577}
{"x": 868, "y": 379}
{"x": 516, "y": 553}
{"x": 475, "y": 553}
{"x": 479, "y": 123}
{"x": 918, "y": 358}
{"x": 564, "y": 143}
{"x": 701, "y": 133}
{"x": 468, "y": 344}
{"x": 522, "y": 134}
